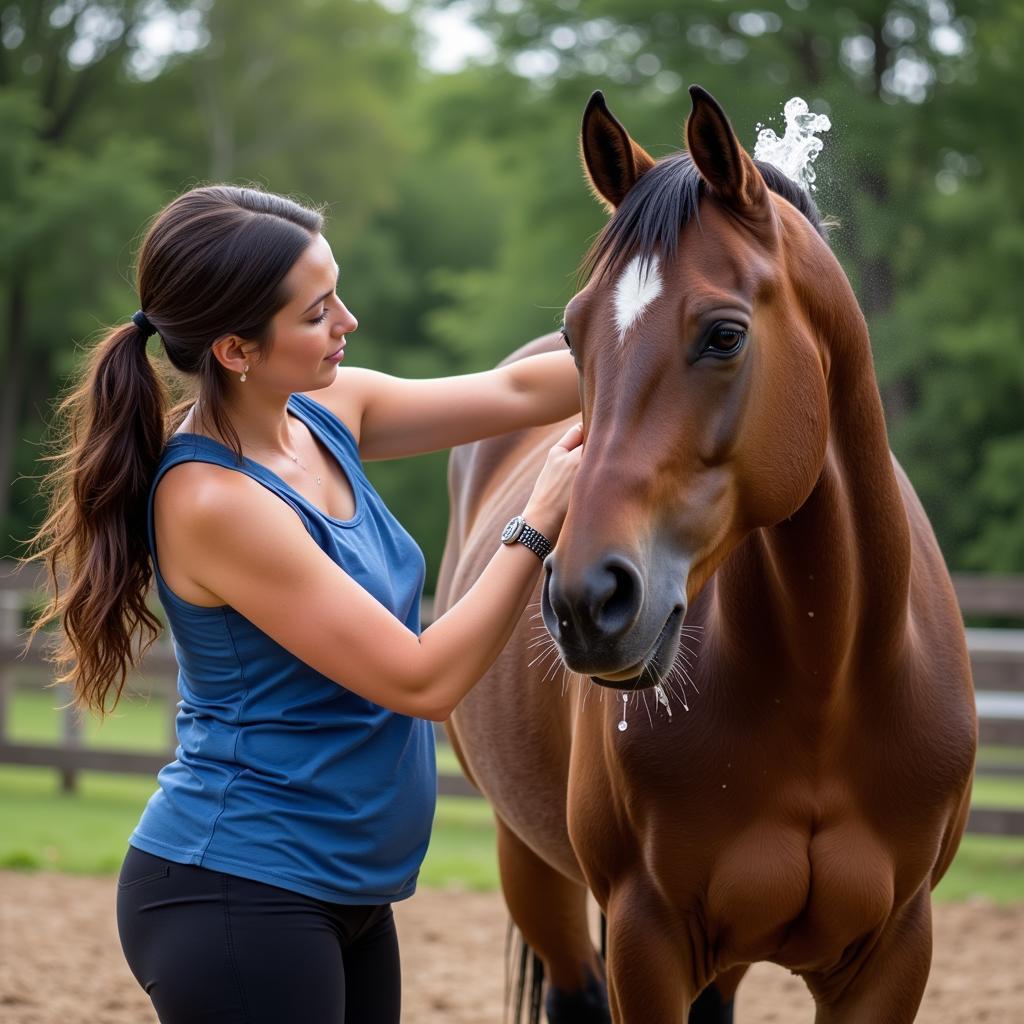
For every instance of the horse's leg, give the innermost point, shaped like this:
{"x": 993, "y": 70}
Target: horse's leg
{"x": 650, "y": 958}
{"x": 887, "y": 984}
{"x": 551, "y": 912}
{"x": 715, "y": 1004}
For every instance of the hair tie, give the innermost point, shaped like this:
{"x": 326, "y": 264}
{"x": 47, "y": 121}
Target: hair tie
{"x": 142, "y": 322}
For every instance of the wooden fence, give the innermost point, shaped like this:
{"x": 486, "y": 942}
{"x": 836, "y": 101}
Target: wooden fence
{"x": 997, "y": 659}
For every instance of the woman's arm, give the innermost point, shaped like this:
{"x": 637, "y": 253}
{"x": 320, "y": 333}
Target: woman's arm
{"x": 394, "y": 417}
{"x": 246, "y": 547}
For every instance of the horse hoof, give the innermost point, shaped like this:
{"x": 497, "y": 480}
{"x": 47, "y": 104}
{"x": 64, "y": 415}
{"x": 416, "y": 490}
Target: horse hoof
{"x": 588, "y": 1005}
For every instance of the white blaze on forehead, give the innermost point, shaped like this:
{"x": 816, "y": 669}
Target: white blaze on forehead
{"x": 637, "y": 288}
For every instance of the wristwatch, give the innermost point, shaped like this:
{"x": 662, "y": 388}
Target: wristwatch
{"x": 518, "y": 532}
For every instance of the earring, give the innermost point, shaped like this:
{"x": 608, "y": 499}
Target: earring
{"x": 245, "y": 370}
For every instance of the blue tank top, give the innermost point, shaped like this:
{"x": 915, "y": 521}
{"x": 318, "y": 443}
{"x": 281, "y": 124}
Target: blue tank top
{"x": 281, "y": 774}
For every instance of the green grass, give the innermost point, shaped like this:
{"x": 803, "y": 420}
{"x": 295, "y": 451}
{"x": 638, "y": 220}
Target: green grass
{"x": 998, "y": 791}
{"x": 82, "y": 833}
{"x": 1001, "y": 755}
{"x": 35, "y": 717}
{"x": 87, "y": 832}
{"x": 986, "y": 867}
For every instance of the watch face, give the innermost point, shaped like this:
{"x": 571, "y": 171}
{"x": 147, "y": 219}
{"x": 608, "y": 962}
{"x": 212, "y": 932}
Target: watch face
{"x": 512, "y": 529}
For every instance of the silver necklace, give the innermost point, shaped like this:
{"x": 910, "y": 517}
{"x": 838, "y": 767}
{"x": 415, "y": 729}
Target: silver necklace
{"x": 315, "y": 475}
{"x": 294, "y": 458}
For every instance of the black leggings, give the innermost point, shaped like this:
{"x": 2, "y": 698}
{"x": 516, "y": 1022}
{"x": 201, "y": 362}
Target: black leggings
{"x": 211, "y": 948}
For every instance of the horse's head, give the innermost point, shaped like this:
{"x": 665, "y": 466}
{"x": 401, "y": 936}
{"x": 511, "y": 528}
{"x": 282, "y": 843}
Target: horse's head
{"x": 699, "y": 340}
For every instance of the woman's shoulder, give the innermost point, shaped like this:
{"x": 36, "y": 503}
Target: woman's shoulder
{"x": 197, "y": 484}
{"x": 203, "y": 495}
{"x": 209, "y": 522}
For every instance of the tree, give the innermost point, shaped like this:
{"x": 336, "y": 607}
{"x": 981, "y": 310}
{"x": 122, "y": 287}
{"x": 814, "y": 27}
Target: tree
{"x": 68, "y": 203}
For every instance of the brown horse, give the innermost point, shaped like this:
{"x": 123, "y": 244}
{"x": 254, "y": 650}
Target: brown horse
{"x": 736, "y": 487}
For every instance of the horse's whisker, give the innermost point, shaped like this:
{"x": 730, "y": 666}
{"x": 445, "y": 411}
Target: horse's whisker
{"x": 680, "y": 694}
{"x": 648, "y": 710}
{"x": 540, "y": 657}
{"x": 551, "y": 672}
{"x": 539, "y": 640}
{"x": 583, "y": 704}
{"x": 544, "y": 645}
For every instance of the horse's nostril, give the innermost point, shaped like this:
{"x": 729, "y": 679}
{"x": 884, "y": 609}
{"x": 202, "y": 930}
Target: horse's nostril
{"x": 616, "y": 594}
{"x": 601, "y": 605}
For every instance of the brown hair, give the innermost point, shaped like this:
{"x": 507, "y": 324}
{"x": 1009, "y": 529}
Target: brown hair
{"x": 212, "y": 263}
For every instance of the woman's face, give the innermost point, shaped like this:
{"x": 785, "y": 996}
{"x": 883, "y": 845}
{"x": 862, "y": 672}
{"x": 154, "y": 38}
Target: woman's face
{"x": 307, "y": 335}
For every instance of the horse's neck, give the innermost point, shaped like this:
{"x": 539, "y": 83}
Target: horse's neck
{"x": 831, "y": 582}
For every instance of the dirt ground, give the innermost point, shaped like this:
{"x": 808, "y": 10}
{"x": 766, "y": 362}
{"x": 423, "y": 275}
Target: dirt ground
{"x": 60, "y": 962}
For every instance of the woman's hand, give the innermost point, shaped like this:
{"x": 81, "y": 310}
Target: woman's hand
{"x": 545, "y": 511}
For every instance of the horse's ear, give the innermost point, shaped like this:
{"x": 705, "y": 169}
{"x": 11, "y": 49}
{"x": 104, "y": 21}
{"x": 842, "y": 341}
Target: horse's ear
{"x": 723, "y": 163}
{"x": 612, "y": 160}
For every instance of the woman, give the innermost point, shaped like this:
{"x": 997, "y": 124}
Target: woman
{"x": 258, "y": 884}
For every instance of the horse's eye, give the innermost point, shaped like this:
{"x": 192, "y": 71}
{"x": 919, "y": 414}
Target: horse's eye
{"x": 572, "y": 351}
{"x": 724, "y": 340}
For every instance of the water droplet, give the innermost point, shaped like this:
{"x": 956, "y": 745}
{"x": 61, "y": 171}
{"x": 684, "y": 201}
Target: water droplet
{"x": 810, "y": 615}
{"x": 662, "y": 696}
{"x": 623, "y": 725}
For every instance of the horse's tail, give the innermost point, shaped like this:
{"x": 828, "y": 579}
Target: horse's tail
{"x": 524, "y": 978}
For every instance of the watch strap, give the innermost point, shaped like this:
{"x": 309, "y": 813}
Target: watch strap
{"x": 518, "y": 531}
{"x": 535, "y": 541}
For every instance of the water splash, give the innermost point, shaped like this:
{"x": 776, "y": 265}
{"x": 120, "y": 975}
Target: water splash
{"x": 794, "y": 154}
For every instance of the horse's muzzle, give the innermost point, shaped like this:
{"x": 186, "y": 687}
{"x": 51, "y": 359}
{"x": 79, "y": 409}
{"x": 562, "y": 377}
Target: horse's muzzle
{"x": 607, "y": 628}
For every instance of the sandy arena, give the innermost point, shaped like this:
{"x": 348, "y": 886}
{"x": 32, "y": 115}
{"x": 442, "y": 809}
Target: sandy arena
{"x": 60, "y": 962}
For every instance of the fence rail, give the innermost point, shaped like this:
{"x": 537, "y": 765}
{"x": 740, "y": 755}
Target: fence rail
{"x": 997, "y": 660}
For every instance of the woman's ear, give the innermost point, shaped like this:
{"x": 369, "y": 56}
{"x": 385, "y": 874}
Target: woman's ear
{"x": 233, "y": 353}
{"x": 613, "y": 162}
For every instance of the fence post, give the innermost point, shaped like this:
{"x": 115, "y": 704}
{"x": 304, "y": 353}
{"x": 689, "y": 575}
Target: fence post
{"x": 10, "y": 625}
{"x": 72, "y": 741}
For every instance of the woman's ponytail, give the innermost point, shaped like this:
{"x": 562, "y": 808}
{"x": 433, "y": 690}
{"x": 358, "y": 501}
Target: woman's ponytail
{"x": 213, "y": 263}
{"x": 95, "y": 538}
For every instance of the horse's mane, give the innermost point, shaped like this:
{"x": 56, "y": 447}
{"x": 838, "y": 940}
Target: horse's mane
{"x": 662, "y": 202}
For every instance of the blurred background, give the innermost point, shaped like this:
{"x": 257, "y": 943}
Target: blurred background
{"x": 443, "y": 140}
